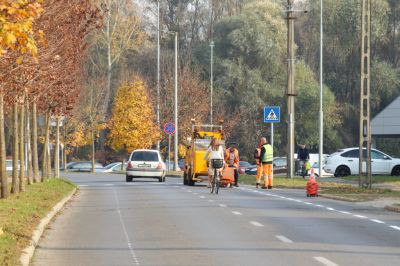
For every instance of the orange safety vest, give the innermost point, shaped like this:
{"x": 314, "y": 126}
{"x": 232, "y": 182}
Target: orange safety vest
{"x": 232, "y": 158}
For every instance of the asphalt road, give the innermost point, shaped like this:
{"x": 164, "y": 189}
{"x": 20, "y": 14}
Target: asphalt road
{"x": 111, "y": 222}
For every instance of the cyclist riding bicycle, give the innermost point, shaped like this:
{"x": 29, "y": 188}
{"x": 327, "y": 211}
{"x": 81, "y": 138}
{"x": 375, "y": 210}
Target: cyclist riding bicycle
{"x": 214, "y": 151}
{"x": 303, "y": 156}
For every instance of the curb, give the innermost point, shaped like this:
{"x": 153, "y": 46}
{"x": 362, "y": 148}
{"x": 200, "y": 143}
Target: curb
{"x": 392, "y": 208}
{"x": 338, "y": 198}
{"x": 28, "y": 252}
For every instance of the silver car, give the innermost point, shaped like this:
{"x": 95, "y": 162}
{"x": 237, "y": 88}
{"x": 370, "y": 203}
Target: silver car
{"x": 147, "y": 164}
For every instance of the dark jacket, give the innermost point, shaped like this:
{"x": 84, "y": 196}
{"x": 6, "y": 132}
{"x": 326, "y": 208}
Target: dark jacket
{"x": 303, "y": 154}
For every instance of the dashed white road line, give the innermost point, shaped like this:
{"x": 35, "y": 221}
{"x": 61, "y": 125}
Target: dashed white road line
{"x": 345, "y": 212}
{"x": 319, "y": 205}
{"x": 256, "y": 224}
{"x": 395, "y": 227}
{"x": 377, "y": 221}
{"x": 83, "y": 185}
{"x": 189, "y": 191}
{"x": 211, "y": 200}
{"x": 360, "y": 216}
{"x": 284, "y": 239}
{"x": 195, "y": 193}
{"x": 222, "y": 205}
{"x": 108, "y": 185}
{"x": 202, "y": 197}
{"x": 325, "y": 261}
{"x": 236, "y": 213}
{"x": 331, "y": 209}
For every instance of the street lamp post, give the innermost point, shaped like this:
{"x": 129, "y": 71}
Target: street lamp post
{"x": 321, "y": 117}
{"x": 290, "y": 89}
{"x": 176, "y": 104}
{"x": 211, "y": 82}
{"x": 158, "y": 70}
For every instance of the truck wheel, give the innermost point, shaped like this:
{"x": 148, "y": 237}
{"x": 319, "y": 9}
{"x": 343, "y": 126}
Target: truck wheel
{"x": 185, "y": 178}
{"x": 190, "y": 178}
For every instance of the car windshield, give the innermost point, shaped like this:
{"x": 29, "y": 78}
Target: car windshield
{"x": 244, "y": 164}
{"x": 111, "y": 165}
{"x": 147, "y": 156}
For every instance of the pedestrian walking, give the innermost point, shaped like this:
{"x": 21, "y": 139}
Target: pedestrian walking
{"x": 257, "y": 153}
{"x": 267, "y": 157}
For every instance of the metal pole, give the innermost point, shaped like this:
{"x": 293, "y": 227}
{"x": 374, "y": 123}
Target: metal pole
{"x": 211, "y": 82}
{"x": 169, "y": 151}
{"x": 272, "y": 135}
{"x": 158, "y": 69}
{"x": 290, "y": 89}
{"x": 365, "y": 125}
{"x": 321, "y": 117}
{"x": 176, "y": 104}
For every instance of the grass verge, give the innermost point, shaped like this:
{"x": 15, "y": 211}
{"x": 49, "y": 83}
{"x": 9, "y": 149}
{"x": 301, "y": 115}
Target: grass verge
{"x": 360, "y": 194}
{"x": 283, "y": 182}
{"x": 20, "y": 215}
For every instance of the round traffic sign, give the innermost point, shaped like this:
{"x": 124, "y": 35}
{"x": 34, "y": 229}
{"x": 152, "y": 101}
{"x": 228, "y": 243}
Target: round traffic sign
{"x": 169, "y": 128}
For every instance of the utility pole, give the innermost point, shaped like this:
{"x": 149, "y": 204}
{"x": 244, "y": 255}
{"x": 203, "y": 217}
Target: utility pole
{"x": 365, "y": 126}
{"x": 211, "y": 82}
{"x": 176, "y": 104}
{"x": 291, "y": 92}
{"x": 158, "y": 70}
{"x": 321, "y": 84}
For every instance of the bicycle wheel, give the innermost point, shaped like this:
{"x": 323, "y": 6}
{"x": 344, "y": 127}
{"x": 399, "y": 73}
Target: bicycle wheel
{"x": 217, "y": 182}
{"x": 212, "y": 183}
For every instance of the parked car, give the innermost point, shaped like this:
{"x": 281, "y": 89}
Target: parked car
{"x": 278, "y": 169}
{"x": 243, "y": 166}
{"x": 113, "y": 167}
{"x": 145, "y": 163}
{"x": 316, "y": 171}
{"x": 83, "y": 166}
{"x": 345, "y": 162}
{"x": 9, "y": 165}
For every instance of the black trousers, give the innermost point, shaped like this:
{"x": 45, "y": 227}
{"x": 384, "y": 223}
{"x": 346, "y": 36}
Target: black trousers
{"x": 236, "y": 176}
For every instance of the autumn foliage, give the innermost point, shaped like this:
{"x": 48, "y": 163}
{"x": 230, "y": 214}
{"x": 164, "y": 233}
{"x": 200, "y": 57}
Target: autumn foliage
{"x": 132, "y": 126}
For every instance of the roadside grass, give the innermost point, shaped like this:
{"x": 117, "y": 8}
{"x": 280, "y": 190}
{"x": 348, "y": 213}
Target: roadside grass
{"x": 20, "y": 214}
{"x": 360, "y": 194}
{"x": 283, "y": 182}
{"x": 375, "y": 179}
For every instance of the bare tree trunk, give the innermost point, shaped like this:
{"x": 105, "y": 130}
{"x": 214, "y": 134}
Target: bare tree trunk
{"x": 22, "y": 148}
{"x": 29, "y": 144}
{"x": 3, "y": 172}
{"x": 14, "y": 185}
{"x": 93, "y": 151}
{"x": 35, "y": 158}
{"x": 57, "y": 150}
{"x": 65, "y": 145}
{"x": 49, "y": 170}
{"x": 45, "y": 150}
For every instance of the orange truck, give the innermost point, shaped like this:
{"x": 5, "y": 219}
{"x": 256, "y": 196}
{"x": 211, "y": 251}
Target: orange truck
{"x": 195, "y": 166}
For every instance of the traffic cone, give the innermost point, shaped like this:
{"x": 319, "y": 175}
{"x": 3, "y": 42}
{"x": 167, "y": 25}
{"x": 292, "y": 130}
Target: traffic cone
{"x": 312, "y": 185}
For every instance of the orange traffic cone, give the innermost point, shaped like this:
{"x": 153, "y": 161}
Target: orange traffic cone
{"x": 312, "y": 185}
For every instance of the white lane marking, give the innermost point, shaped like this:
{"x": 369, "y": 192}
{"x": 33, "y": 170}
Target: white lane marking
{"x": 395, "y": 227}
{"x": 308, "y": 203}
{"x": 256, "y": 224}
{"x": 202, "y": 197}
{"x": 377, "y": 221}
{"x": 319, "y": 205}
{"x": 284, "y": 239}
{"x": 83, "y": 185}
{"x": 222, "y": 205}
{"x": 325, "y": 261}
{"x": 331, "y": 209}
{"x": 344, "y": 212}
{"x": 189, "y": 191}
{"x": 135, "y": 259}
{"x": 360, "y": 216}
{"x": 236, "y": 213}
{"x": 195, "y": 193}
{"x": 108, "y": 184}
{"x": 211, "y": 200}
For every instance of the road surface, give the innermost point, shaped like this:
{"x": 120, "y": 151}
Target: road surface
{"x": 111, "y": 222}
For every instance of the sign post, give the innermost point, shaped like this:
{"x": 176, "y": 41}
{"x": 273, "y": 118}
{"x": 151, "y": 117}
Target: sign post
{"x": 272, "y": 114}
{"x": 169, "y": 128}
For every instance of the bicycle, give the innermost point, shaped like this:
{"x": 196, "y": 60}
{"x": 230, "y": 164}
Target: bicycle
{"x": 215, "y": 182}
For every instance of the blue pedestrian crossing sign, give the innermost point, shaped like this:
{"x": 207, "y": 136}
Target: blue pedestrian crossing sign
{"x": 272, "y": 114}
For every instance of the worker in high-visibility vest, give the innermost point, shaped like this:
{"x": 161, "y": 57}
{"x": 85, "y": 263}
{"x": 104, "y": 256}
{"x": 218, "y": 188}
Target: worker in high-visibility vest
{"x": 232, "y": 160}
{"x": 267, "y": 157}
{"x": 257, "y": 153}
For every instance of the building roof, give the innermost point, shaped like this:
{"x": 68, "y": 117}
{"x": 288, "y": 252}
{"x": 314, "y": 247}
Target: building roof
{"x": 387, "y": 122}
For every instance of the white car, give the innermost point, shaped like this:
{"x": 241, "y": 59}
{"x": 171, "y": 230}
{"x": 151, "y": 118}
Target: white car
{"x": 315, "y": 166}
{"x": 145, "y": 163}
{"x": 345, "y": 162}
